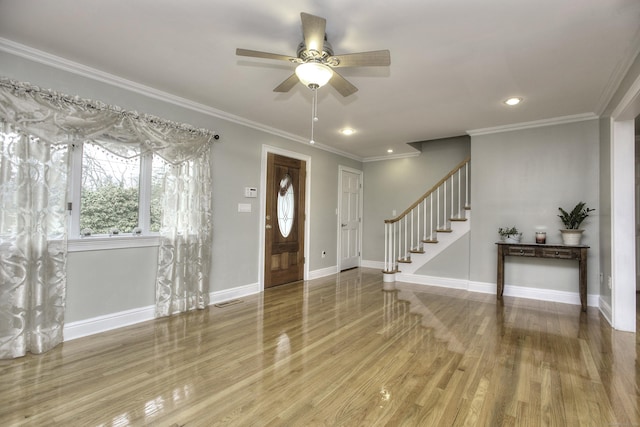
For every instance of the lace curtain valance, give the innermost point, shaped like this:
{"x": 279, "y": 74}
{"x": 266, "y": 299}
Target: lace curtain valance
{"x": 57, "y": 118}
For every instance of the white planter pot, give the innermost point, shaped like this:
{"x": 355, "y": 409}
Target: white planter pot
{"x": 514, "y": 238}
{"x": 571, "y": 237}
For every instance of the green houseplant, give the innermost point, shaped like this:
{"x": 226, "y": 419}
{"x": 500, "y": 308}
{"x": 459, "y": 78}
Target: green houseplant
{"x": 509, "y": 234}
{"x": 572, "y": 233}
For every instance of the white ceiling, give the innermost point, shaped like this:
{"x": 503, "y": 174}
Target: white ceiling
{"x": 453, "y": 62}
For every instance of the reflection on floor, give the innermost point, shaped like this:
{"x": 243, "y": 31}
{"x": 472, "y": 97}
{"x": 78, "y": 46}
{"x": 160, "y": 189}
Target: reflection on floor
{"x": 339, "y": 351}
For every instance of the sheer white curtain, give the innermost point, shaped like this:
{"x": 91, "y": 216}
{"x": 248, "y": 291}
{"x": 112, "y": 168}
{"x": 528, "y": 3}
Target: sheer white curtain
{"x": 33, "y": 248}
{"x": 184, "y": 256}
{"x": 39, "y": 125}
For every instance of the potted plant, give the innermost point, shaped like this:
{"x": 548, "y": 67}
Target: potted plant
{"x": 509, "y": 234}
{"x": 572, "y": 233}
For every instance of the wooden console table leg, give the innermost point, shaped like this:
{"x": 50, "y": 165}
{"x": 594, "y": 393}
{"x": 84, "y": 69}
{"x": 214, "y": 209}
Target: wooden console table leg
{"x": 500, "y": 274}
{"x": 582, "y": 264}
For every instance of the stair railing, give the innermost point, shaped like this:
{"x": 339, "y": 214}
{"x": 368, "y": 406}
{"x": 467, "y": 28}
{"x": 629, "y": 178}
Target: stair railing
{"x": 431, "y": 214}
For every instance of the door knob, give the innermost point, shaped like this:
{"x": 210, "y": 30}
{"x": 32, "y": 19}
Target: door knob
{"x": 344, "y": 225}
{"x": 268, "y": 226}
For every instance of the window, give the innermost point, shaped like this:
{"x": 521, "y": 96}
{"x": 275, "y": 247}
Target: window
{"x": 116, "y": 195}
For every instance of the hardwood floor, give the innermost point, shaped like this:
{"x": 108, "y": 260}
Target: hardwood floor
{"x": 339, "y": 351}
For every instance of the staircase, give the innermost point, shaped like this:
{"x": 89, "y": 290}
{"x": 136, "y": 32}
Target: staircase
{"x": 429, "y": 225}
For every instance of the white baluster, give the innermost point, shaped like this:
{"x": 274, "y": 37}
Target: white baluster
{"x": 386, "y": 249}
{"x": 406, "y": 244}
{"x": 466, "y": 176}
{"x": 438, "y": 208}
{"x": 424, "y": 228}
{"x": 418, "y": 227}
{"x": 431, "y": 218}
{"x": 411, "y": 246}
{"x": 444, "y": 205}
{"x": 460, "y": 211}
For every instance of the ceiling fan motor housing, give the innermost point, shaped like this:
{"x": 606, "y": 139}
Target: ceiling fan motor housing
{"x": 307, "y": 55}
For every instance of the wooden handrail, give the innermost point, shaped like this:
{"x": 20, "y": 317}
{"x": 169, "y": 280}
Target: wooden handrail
{"x": 428, "y": 193}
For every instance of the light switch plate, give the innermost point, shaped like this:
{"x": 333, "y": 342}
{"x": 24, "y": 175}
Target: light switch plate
{"x": 244, "y": 207}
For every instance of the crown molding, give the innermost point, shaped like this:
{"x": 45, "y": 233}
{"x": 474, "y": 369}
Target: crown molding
{"x": 60, "y": 63}
{"x": 618, "y": 74}
{"x": 534, "y": 124}
{"x": 389, "y": 157}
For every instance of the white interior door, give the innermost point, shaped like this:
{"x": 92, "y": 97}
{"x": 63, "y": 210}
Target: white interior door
{"x": 350, "y": 218}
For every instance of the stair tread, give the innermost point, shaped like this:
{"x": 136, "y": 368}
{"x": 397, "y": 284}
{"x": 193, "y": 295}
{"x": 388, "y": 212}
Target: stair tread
{"x": 405, "y": 261}
{"x": 416, "y": 251}
{"x": 444, "y": 230}
{"x": 457, "y": 219}
{"x": 430, "y": 241}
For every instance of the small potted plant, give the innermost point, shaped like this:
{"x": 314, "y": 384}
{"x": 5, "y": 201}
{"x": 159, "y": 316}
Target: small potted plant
{"x": 572, "y": 233}
{"x": 509, "y": 234}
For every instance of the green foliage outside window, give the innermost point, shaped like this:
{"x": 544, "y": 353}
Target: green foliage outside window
{"x": 112, "y": 206}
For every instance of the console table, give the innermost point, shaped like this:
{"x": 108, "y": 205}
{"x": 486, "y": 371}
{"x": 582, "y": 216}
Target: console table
{"x": 535, "y": 250}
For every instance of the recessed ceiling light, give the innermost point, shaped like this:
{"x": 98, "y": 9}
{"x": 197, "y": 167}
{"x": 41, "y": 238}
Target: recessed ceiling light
{"x": 513, "y": 101}
{"x": 389, "y": 150}
{"x": 347, "y": 131}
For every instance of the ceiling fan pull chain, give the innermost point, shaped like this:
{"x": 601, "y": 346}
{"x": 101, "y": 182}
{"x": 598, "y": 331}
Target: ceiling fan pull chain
{"x": 314, "y": 112}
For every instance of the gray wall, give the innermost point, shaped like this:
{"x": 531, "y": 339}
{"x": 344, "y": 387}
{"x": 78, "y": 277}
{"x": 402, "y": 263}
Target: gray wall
{"x": 521, "y": 178}
{"x": 395, "y": 184}
{"x": 109, "y": 281}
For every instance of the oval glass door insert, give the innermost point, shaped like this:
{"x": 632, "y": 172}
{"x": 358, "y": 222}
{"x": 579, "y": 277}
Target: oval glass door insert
{"x": 286, "y": 208}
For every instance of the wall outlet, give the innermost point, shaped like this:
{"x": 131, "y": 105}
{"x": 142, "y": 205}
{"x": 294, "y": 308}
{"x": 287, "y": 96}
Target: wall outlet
{"x": 324, "y": 254}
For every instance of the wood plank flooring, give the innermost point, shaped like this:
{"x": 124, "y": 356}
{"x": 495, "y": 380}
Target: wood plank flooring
{"x": 339, "y": 351}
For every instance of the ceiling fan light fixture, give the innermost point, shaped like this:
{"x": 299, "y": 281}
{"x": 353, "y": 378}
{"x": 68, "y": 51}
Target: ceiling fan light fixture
{"x": 314, "y": 74}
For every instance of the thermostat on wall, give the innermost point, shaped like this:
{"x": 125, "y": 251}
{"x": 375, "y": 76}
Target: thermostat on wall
{"x": 250, "y": 192}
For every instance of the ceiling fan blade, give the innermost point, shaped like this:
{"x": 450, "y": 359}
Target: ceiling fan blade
{"x": 342, "y": 85}
{"x": 313, "y": 28}
{"x": 288, "y": 84}
{"x": 364, "y": 59}
{"x": 266, "y": 55}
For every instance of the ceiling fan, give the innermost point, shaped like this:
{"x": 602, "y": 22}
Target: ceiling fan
{"x": 316, "y": 61}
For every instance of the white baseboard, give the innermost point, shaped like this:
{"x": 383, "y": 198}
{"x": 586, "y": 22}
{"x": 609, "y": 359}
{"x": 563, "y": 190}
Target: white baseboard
{"x": 96, "y": 325}
{"x": 443, "y": 282}
{"x": 372, "y": 264}
{"x": 323, "y": 272}
{"x": 605, "y": 309}
{"x": 234, "y": 293}
{"x": 509, "y": 290}
{"x": 483, "y": 288}
{"x": 549, "y": 295}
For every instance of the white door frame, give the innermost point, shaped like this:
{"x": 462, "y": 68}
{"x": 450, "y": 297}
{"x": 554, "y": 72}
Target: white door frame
{"x": 339, "y": 213}
{"x": 623, "y": 263}
{"x": 266, "y": 149}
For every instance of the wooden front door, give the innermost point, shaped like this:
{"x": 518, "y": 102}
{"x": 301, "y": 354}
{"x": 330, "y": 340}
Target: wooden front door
{"x": 284, "y": 222}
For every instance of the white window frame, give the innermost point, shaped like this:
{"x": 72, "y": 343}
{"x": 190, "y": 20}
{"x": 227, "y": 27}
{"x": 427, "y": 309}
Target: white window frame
{"x": 76, "y": 243}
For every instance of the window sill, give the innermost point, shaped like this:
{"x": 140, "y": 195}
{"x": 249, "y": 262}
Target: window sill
{"x": 114, "y": 242}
